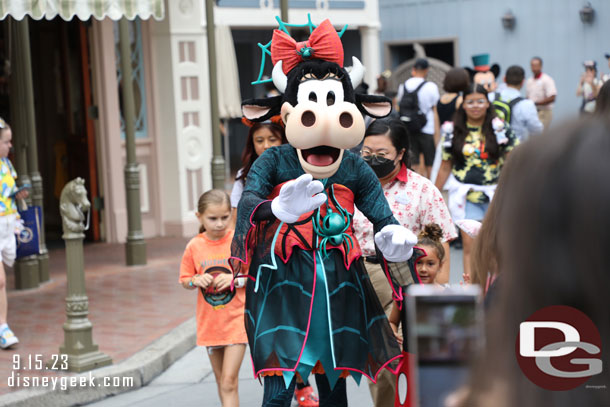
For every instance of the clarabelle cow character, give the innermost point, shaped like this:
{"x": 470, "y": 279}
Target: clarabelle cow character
{"x": 310, "y": 307}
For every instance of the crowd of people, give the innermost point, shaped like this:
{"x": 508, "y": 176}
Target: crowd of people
{"x": 481, "y": 146}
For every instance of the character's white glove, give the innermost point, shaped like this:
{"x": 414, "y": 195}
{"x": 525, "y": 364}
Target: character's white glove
{"x": 297, "y": 197}
{"x": 395, "y": 242}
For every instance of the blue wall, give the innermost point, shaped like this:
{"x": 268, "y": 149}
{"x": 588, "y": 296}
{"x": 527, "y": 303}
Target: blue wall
{"x": 551, "y": 29}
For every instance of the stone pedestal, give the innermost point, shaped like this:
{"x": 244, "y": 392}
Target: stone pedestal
{"x": 78, "y": 344}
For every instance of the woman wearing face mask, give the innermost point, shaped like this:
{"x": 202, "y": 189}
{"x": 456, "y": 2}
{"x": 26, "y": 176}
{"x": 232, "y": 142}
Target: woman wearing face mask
{"x": 475, "y": 147}
{"x": 415, "y": 202}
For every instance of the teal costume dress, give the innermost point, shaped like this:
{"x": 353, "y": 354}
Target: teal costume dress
{"x": 308, "y": 297}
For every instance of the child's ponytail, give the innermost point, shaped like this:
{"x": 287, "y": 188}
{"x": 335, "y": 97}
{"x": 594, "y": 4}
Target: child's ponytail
{"x": 432, "y": 235}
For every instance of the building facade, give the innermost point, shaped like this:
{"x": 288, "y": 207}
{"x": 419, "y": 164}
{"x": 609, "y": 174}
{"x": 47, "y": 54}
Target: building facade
{"x": 454, "y": 30}
{"x": 78, "y": 82}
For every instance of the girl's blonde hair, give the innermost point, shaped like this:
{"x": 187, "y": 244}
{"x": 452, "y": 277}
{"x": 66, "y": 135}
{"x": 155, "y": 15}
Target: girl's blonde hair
{"x": 212, "y": 197}
{"x": 431, "y": 235}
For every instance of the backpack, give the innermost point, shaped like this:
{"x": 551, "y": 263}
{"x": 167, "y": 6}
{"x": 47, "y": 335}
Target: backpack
{"x": 410, "y": 113}
{"x": 504, "y": 109}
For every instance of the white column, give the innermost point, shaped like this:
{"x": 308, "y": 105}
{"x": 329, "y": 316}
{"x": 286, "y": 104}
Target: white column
{"x": 108, "y": 131}
{"x": 181, "y": 114}
{"x": 371, "y": 55}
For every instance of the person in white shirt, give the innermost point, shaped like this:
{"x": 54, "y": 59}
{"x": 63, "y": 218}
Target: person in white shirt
{"x": 422, "y": 142}
{"x": 588, "y": 87}
{"x": 542, "y": 91}
{"x": 524, "y": 118}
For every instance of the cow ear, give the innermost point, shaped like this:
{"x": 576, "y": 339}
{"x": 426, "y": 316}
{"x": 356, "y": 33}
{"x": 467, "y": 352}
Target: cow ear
{"x": 374, "y": 105}
{"x": 259, "y": 110}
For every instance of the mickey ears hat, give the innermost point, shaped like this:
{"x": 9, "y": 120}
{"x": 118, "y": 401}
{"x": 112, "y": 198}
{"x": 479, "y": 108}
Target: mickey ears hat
{"x": 481, "y": 64}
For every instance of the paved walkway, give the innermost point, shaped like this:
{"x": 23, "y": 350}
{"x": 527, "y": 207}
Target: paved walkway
{"x": 190, "y": 383}
{"x": 129, "y": 307}
{"x": 140, "y": 317}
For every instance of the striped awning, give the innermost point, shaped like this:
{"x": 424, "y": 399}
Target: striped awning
{"x": 82, "y": 9}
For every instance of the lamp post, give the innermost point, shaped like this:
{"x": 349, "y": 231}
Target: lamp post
{"x": 218, "y": 161}
{"x": 135, "y": 248}
{"x": 27, "y": 274}
{"x": 284, "y": 10}
{"x": 32, "y": 148}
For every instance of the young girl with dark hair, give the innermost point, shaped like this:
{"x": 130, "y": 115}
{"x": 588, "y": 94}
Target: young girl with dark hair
{"x": 475, "y": 147}
{"x": 427, "y": 266}
{"x": 430, "y": 240}
{"x": 260, "y": 137}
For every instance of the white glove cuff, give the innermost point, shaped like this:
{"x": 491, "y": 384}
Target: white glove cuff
{"x": 239, "y": 282}
{"x": 281, "y": 214}
{"x": 400, "y": 257}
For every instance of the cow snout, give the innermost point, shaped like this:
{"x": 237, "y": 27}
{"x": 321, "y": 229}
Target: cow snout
{"x": 310, "y": 124}
{"x": 305, "y": 124}
{"x": 345, "y": 125}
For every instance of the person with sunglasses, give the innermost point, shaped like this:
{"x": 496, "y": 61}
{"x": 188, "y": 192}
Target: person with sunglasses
{"x": 475, "y": 147}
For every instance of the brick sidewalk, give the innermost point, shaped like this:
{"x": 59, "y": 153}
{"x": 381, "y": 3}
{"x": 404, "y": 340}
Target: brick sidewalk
{"x": 129, "y": 307}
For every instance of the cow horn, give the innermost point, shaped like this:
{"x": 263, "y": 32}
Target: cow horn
{"x": 357, "y": 73}
{"x": 279, "y": 77}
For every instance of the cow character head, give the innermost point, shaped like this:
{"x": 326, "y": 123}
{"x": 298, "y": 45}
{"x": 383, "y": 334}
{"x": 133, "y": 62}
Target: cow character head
{"x": 323, "y": 115}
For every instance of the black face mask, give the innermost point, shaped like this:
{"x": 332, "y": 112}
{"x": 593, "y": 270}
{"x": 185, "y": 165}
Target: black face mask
{"x": 380, "y": 165}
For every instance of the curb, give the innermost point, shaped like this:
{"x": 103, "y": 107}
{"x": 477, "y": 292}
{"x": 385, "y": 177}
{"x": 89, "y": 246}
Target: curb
{"x": 142, "y": 367}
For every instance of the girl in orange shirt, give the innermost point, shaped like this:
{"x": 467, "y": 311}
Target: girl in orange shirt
{"x": 220, "y": 309}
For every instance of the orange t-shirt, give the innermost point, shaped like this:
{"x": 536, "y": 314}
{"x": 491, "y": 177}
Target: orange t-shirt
{"x": 224, "y": 324}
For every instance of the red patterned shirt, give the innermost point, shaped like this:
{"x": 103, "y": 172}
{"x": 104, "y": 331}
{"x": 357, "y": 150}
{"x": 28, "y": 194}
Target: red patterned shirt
{"x": 415, "y": 202}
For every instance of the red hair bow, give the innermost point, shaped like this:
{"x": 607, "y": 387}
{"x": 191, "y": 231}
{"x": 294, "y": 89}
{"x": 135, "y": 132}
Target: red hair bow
{"x": 323, "y": 43}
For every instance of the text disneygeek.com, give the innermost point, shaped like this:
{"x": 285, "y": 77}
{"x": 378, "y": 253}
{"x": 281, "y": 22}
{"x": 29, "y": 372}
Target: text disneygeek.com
{"x": 20, "y": 379}
{"x": 16, "y": 379}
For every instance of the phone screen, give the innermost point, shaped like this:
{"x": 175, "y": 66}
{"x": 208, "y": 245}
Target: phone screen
{"x": 445, "y": 332}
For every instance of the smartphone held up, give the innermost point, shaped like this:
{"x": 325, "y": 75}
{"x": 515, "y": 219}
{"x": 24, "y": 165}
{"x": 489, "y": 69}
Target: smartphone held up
{"x": 443, "y": 331}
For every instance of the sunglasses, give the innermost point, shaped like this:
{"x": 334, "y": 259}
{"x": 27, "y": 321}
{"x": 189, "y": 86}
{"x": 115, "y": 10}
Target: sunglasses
{"x": 475, "y": 102}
